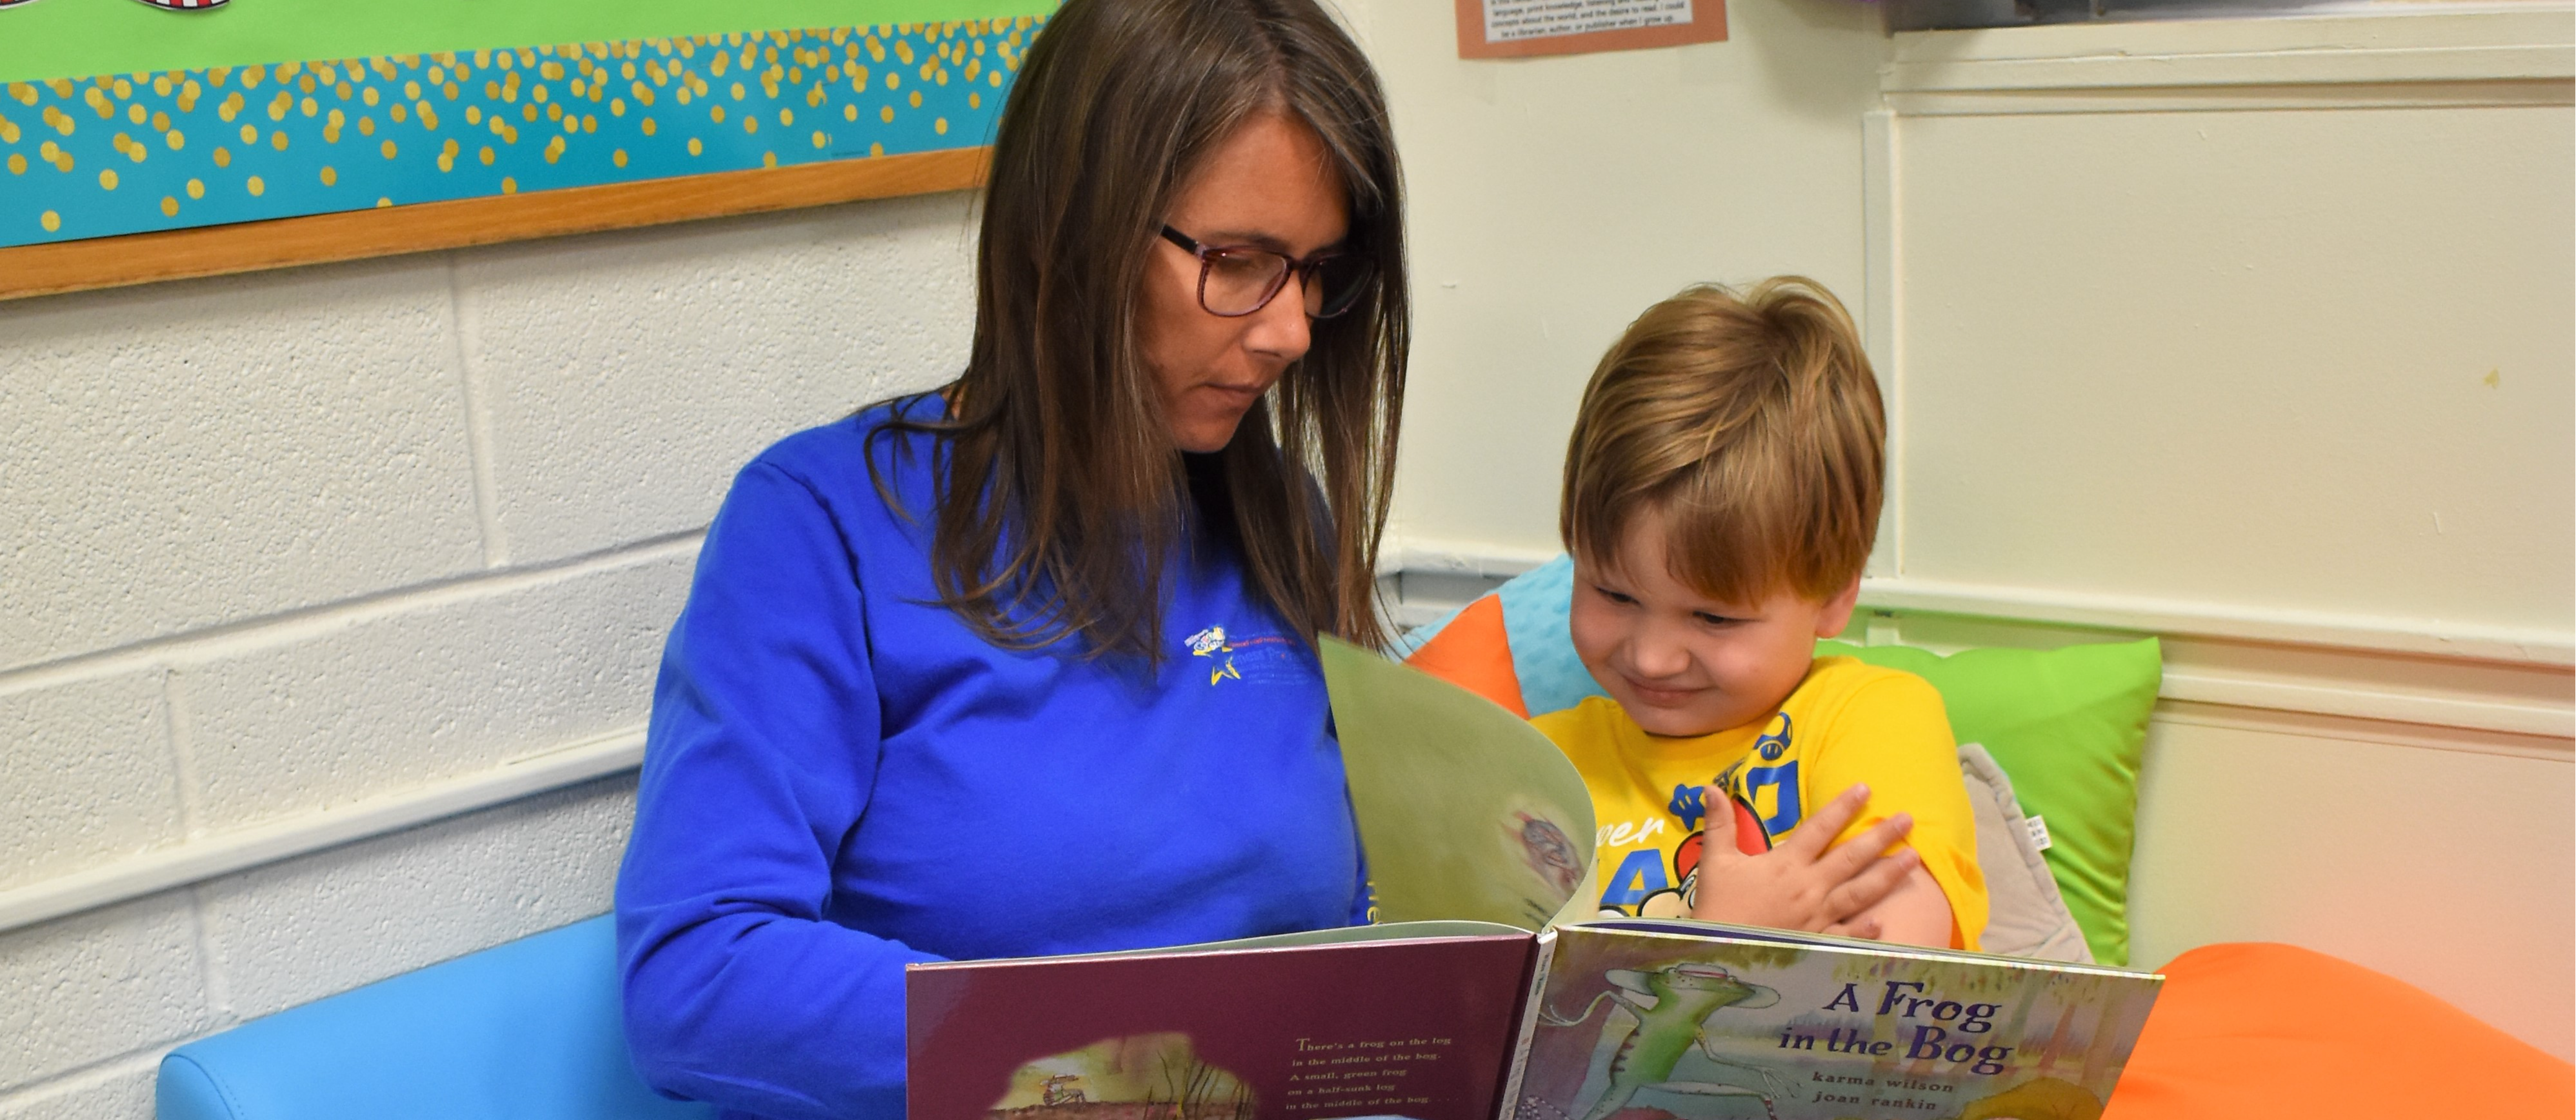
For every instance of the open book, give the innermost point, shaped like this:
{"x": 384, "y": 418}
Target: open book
{"x": 1477, "y": 833}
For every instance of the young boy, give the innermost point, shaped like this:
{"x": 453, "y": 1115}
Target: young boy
{"x": 1721, "y": 495}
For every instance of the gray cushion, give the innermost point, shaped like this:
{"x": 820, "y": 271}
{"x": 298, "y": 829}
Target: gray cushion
{"x": 2025, "y": 917}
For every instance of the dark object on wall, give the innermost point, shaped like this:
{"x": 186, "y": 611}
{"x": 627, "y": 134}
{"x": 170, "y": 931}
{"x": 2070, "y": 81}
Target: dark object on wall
{"x": 1944, "y": 15}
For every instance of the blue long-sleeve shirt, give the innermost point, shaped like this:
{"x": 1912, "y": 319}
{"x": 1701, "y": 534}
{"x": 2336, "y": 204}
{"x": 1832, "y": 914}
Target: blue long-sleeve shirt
{"x": 842, "y": 778}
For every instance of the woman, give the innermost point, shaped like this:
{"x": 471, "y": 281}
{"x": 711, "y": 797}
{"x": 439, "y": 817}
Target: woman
{"x": 1026, "y": 666}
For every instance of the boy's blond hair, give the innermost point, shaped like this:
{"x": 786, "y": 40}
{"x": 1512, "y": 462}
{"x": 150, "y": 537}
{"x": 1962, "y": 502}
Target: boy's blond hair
{"x": 1753, "y": 423}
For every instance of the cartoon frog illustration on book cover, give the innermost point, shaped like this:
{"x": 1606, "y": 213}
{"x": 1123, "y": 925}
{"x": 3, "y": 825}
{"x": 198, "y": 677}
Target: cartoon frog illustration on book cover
{"x": 1656, "y": 1018}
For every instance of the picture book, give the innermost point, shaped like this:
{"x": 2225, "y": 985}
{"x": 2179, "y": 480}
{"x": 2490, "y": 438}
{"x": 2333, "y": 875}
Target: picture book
{"x": 1625, "y": 1019}
{"x": 1473, "y": 999}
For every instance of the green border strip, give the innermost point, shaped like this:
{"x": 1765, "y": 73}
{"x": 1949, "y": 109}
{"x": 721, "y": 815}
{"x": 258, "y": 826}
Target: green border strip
{"x": 81, "y": 38}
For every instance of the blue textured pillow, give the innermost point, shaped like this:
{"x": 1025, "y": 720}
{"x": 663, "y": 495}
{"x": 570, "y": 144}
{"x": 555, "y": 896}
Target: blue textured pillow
{"x": 1535, "y": 605}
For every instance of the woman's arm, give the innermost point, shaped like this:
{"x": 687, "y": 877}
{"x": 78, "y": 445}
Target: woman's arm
{"x": 759, "y": 761}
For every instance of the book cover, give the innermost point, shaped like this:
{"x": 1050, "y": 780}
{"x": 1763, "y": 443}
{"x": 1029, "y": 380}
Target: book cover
{"x": 1473, "y": 1021}
{"x": 1690, "y": 1021}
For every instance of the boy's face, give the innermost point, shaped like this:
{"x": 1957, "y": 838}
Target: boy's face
{"x": 1679, "y": 662}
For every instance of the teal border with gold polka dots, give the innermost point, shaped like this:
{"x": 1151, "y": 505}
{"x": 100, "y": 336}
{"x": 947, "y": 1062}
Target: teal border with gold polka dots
{"x": 139, "y": 153}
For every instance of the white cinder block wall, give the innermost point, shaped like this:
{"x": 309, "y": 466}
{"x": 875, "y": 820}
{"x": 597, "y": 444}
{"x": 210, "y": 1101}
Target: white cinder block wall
{"x": 276, "y": 545}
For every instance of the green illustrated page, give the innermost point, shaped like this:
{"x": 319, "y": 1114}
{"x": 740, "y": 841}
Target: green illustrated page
{"x": 1467, "y": 812}
{"x": 117, "y": 118}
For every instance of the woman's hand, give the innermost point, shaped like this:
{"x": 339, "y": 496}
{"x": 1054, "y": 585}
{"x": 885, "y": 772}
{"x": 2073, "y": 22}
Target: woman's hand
{"x": 1802, "y": 884}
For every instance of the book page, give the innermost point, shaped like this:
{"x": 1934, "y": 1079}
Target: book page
{"x": 1413, "y": 1026}
{"x": 1466, "y": 811}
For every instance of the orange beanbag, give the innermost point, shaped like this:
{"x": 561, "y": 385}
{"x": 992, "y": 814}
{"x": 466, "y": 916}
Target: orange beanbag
{"x": 2276, "y": 1032}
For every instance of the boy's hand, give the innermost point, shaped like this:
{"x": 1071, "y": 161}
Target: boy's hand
{"x": 1802, "y": 884}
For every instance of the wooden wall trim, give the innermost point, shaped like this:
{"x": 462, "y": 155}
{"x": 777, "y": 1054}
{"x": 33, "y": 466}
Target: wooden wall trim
{"x": 70, "y": 266}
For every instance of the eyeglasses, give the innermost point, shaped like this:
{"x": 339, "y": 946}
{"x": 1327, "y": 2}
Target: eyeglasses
{"x": 1237, "y": 280}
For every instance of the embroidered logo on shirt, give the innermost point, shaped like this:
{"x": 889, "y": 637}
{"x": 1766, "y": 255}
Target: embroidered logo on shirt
{"x": 1270, "y": 657}
{"x": 1211, "y": 643}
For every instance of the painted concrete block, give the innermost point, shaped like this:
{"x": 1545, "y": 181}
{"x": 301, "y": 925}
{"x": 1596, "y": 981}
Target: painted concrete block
{"x": 83, "y": 989}
{"x": 297, "y": 931}
{"x": 627, "y": 377}
{"x": 85, "y": 776}
{"x": 122, "y": 1091}
{"x": 432, "y": 690}
{"x": 192, "y": 454}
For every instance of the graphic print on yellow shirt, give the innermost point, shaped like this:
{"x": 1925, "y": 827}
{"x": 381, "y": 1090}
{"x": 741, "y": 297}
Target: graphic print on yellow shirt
{"x": 1846, "y": 722}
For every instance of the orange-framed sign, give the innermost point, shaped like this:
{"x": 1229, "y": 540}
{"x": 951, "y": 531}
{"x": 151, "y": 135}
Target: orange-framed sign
{"x": 1521, "y": 28}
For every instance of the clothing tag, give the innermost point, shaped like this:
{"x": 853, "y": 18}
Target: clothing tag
{"x": 2038, "y": 831}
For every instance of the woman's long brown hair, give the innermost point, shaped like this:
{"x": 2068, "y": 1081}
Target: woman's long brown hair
{"x": 1063, "y": 501}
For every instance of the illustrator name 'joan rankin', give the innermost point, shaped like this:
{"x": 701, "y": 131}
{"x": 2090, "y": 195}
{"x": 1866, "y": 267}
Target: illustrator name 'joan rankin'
{"x": 1882, "y": 1102}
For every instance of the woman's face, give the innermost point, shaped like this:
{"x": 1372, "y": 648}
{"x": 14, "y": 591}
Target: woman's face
{"x": 1269, "y": 185}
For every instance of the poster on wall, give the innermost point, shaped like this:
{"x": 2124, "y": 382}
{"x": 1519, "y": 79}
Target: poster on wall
{"x": 123, "y": 117}
{"x": 1521, "y": 28}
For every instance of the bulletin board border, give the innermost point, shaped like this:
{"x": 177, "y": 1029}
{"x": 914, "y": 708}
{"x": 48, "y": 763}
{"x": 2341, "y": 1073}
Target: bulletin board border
{"x": 143, "y": 258}
{"x": 148, "y": 176}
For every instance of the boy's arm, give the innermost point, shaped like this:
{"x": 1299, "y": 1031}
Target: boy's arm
{"x": 1893, "y": 735}
{"x": 1915, "y": 913}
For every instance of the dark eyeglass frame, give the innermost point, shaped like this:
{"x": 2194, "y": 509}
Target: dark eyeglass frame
{"x": 1303, "y": 269}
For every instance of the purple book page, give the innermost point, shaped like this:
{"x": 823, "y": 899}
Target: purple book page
{"x": 1420, "y": 1028}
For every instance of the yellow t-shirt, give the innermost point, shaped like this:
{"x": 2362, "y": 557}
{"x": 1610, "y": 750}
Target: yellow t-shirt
{"x": 1846, "y": 722}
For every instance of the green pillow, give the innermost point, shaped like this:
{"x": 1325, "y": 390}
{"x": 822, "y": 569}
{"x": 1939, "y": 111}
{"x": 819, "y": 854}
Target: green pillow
{"x": 2068, "y": 726}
